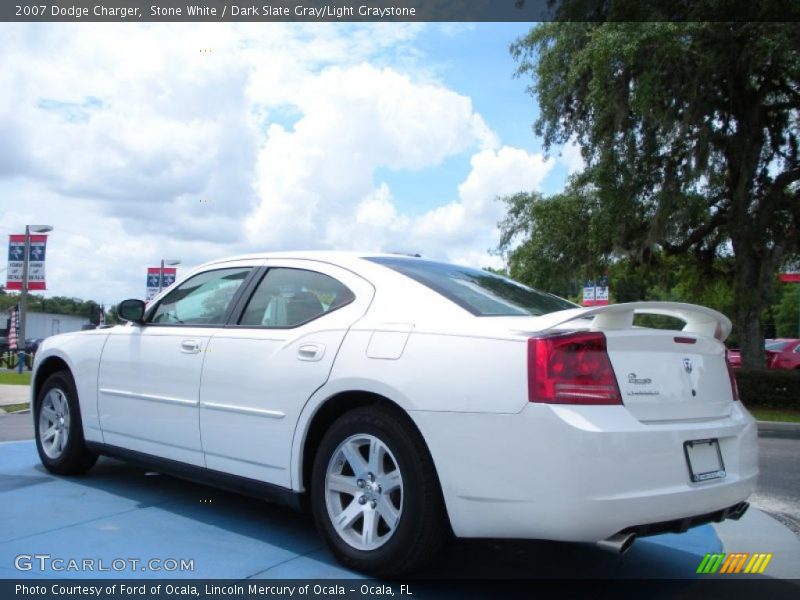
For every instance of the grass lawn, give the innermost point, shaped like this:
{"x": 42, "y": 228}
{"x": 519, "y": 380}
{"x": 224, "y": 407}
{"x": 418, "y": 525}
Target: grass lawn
{"x": 767, "y": 414}
{"x": 15, "y": 378}
{"x": 10, "y": 408}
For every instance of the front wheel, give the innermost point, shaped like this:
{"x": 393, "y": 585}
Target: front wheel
{"x": 59, "y": 432}
{"x": 375, "y": 495}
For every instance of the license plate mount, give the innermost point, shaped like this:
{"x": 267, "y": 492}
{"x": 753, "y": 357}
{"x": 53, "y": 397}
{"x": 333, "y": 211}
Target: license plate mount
{"x": 704, "y": 459}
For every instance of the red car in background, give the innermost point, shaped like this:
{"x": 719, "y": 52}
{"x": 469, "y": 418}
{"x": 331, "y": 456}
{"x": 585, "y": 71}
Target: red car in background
{"x": 783, "y": 354}
{"x": 734, "y": 357}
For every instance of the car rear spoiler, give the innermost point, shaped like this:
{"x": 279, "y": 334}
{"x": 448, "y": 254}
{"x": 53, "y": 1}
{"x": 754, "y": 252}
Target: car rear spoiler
{"x": 697, "y": 319}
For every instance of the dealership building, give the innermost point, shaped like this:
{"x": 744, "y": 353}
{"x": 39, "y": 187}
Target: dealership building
{"x": 42, "y": 325}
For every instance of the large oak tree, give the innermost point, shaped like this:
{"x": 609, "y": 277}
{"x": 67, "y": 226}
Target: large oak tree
{"x": 690, "y": 135}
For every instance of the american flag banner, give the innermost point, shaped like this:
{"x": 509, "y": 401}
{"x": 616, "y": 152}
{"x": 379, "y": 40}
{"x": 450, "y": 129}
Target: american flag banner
{"x": 601, "y": 291}
{"x": 153, "y": 274}
{"x": 16, "y": 256}
{"x": 791, "y": 274}
{"x": 595, "y": 292}
{"x": 13, "y": 329}
{"x": 588, "y": 293}
{"x": 101, "y": 318}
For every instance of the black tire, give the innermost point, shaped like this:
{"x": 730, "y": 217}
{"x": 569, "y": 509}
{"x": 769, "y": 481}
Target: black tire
{"x": 75, "y": 458}
{"x": 422, "y": 529}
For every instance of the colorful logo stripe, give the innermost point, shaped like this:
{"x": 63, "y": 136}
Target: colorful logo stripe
{"x": 734, "y": 563}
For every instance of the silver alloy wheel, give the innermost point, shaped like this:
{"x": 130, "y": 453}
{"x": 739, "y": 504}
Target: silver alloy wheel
{"x": 364, "y": 492}
{"x": 54, "y": 421}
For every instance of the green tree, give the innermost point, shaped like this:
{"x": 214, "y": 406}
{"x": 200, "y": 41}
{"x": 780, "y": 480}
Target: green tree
{"x": 564, "y": 242}
{"x": 111, "y": 316}
{"x": 690, "y": 135}
{"x": 786, "y": 312}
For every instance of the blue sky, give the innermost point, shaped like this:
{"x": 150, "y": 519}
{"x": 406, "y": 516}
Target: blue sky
{"x": 199, "y": 141}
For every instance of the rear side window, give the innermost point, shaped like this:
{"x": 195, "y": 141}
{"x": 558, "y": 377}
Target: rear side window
{"x": 290, "y": 297}
{"x": 480, "y": 292}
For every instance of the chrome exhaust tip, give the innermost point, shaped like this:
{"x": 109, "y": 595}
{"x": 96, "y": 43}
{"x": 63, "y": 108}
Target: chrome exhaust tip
{"x": 739, "y": 510}
{"x": 619, "y": 543}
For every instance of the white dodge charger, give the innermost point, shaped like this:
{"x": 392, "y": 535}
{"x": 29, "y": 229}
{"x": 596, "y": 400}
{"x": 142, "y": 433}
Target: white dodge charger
{"x": 403, "y": 400}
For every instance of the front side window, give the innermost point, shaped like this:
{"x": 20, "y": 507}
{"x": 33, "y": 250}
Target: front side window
{"x": 200, "y": 300}
{"x": 480, "y": 292}
{"x": 290, "y": 297}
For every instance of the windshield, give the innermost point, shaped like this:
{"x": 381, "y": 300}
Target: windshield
{"x": 775, "y": 346}
{"x": 480, "y": 292}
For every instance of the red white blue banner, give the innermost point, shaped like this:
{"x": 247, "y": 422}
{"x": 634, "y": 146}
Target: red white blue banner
{"x": 595, "y": 293}
{"x": 16, "y": 257}
{"x": 588, "y": 293}
{"x": 791, "y": 277}
{"x": 154, "y": 274}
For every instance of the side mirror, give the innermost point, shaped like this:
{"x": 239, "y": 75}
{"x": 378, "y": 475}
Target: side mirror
{"x": 131, "y": 310}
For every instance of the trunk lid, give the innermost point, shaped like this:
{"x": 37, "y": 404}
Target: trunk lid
{"x": 663, "y": 375}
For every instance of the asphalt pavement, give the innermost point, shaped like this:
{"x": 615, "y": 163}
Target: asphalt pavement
{"x": 16, "y": 426}
{"x": 778, "y": 491}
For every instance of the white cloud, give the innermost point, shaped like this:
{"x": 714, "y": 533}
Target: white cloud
{"x": 140, "y": 142}
{"x": 463, "y": 230}
{"x": 354, "y": 121}
{"x": 571, "y": 158}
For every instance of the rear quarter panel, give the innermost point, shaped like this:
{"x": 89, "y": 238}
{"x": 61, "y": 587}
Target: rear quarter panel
{"x": 435, "y": 372}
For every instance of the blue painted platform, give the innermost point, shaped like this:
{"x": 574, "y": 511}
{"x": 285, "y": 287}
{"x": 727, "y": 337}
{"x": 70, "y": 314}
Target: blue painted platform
{"x": 119, "y": 511}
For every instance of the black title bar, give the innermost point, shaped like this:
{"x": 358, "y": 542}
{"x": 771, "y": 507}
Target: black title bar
{"x": 399, "y": 10}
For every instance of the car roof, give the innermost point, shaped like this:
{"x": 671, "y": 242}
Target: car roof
{"x": 340, "y": 257}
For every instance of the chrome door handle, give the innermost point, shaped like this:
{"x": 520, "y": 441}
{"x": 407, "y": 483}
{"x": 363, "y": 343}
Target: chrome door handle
{"x": 311, "y": 352}
{"x": 190, "y": 346}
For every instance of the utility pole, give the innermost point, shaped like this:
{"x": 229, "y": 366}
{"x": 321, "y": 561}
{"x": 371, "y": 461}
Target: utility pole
{"x": 165, "y": 261}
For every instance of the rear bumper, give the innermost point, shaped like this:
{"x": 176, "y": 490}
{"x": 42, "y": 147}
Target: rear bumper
{"x": 734, "y": 512}
{"x": 581, "y": 473}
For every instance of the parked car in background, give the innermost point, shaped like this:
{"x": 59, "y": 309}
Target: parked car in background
{"x": 783, "y": 353}
{"x": 403, "y": 399}
{"x": 734, "y": 357}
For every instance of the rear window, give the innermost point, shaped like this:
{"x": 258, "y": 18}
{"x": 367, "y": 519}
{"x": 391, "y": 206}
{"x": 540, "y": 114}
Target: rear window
{"x": 480, "y": 292}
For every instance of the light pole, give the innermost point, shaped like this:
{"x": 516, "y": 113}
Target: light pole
{"x": 23, "y": 298}
{"x": 165, "y": 261}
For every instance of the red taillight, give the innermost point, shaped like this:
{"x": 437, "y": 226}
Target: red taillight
{"x": 571, "y": 368}
{"x": 734, "y": 387}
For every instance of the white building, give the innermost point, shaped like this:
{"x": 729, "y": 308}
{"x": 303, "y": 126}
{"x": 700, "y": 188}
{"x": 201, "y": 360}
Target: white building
{"x": 42, "y": 325}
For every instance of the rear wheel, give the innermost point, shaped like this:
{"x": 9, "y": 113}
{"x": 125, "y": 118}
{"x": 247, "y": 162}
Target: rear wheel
{"x": 59, "y": 432}
{"x": 375, "y": 495}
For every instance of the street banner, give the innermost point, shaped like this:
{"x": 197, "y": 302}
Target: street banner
{"x": 153, "y": 277}
{"x": 16, "y": 255}
{"x": 588, "y": 293}
{"x": 595, "y": 293}
{"x": 790, "y": 277}
{"x": 601, "y": 291}
{"x": 13, "y": 329}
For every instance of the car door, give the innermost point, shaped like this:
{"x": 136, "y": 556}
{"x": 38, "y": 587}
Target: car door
{"x": 149, "y": 379}
{"x": 260, "y": 371}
